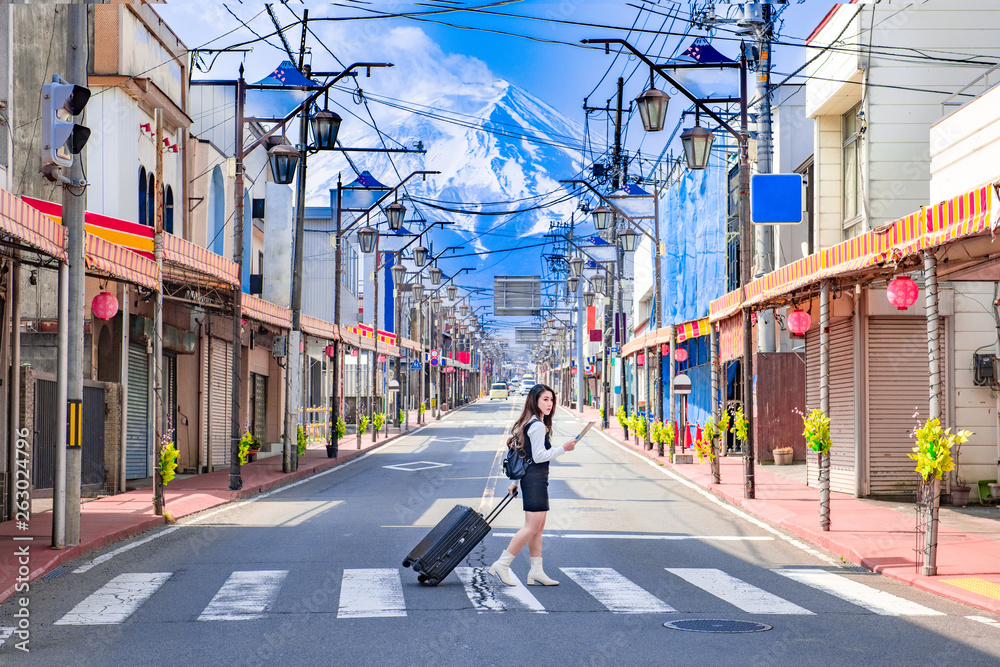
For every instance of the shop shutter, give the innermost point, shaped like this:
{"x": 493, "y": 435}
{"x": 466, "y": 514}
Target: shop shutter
{"x": 897, "y": 388}
{"x": 137, "y": 432}
{"x": 219, "y": 400}
{"x": 841, "y": 403}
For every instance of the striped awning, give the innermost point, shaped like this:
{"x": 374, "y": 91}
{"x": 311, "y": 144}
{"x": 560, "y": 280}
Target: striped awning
{"x": 731, "y": 338}
{"x": 954, "y": 219}
{"x": 25, "y": 224}
{"x": 182, "y": 259}
{"x": 693, "y": 329}
{"x": 255, "y": 308}
{"x": 120, "y": 263}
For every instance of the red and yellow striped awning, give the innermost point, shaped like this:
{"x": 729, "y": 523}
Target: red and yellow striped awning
{"x": 180, "y": 257}
{"x": 120, "y": 263}
{"x": 27, "y": 225}
{"x": 960, "y": 217}
{"x": 693, "y": 329}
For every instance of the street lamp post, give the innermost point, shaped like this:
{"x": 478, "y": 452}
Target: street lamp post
{"x": 326, "y": 125}
{"x": 692, "y": 151}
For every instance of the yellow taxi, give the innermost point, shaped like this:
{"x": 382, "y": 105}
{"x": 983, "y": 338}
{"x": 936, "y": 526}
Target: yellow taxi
{"x": 498, "y": 390}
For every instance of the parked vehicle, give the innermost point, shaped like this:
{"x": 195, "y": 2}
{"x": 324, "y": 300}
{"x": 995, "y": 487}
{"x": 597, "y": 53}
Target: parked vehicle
{"x": 499, "y": 390}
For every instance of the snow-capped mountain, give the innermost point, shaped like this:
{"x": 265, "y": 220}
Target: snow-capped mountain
{"x": 498, "y": 148}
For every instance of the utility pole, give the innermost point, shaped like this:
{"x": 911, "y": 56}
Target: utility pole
{"x": 764, "y": 240}
{"x": 331, "y": 448}
{"x": 74, "y": 205}
{"x": 159, "y": 405}
{"x": 235, "y": 476}
{"x": 616, "y": 170}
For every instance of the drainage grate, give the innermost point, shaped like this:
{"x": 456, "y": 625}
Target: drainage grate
{"x": 62, "y": 569}
{"x": 716, "y": 625}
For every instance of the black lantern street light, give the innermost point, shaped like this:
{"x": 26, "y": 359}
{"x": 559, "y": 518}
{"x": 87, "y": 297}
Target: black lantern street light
{"x": 742, "y": 137}
{"x": 436, "y": 305}
{"x": 398, "y": 275}
{"x": 576, "y": 267}
{"x": 697, "y": 142}
{"x": 588, "y": 299}
{"x": 435, "y": 275}
{"x": 395, "y": 212}
{"x": 597, "y": 282}
{"x": 652, "y": 105}
{"x": 628, "y": 239}
{"x": 452, "y": 292}
{"x": 602, "y": 217}
{"x": 420, "y": 256}
{"x": 366, "y": 239}
{"x": 284, "y": 160}
{"x": 325, "y": 126}
{"x": 417, "y": 289}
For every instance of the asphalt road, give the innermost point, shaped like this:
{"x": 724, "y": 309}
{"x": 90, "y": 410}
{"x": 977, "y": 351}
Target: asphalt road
{"x": 311, "y": 575}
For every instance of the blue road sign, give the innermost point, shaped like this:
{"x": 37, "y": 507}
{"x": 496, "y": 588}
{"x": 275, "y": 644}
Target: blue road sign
{"x": 415, "y": 365}
{"x": 776, "y": 199}
{"x": 614, "y": 350}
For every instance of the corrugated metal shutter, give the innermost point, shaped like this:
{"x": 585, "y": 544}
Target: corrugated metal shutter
{"x": 137, "y": 426}
{"x": 897, "y": 387}
{"x": 258, "y": 398}
{"x": 841, "y": 403}
{"x": 219, "y": 400}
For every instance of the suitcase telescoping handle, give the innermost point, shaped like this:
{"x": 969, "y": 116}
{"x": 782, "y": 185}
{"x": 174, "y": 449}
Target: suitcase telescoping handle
{"x": 500, "y": 508}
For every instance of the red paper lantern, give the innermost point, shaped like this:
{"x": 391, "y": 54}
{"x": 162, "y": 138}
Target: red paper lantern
{"x": 329, "y": 351}
{"x": 381, "y": 358}
{"x": 641, "y": 359}
{"x": 104, "y": 306}
{"x": 902, "y": 292}
{"x": 664, "y": 350}
{"x": 799, "y": 321}
{"x": 680, "y": 354}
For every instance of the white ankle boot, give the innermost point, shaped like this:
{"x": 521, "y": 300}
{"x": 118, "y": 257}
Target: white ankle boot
{"x": 536, "y": 574}
{"x": 501, "y": 569}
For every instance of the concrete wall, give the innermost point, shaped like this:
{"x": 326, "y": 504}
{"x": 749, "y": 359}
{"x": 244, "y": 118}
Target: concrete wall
{"x": 975, "y": 408}
{"x": 901, "y": 98}
{"x": 965, "y": 147}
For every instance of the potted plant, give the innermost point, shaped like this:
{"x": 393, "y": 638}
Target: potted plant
{"x": 783, "y": 456}
{"x": 662, "y": 434}
{"x": 933, "y": 454}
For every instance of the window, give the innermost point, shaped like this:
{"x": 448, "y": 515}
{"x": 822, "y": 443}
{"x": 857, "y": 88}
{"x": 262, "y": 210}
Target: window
{"x": 260, "y": 262}
{"x": 150, "y": 202}
{"x": 258, "y": 406}
{"x": 168, "y": 210}
{"x": 853, "y": 205}
{"x": 733, "y": 231}
{"x": 143, "y": 183}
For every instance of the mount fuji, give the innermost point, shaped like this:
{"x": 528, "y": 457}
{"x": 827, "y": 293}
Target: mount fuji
{"x": 500, "y": 151}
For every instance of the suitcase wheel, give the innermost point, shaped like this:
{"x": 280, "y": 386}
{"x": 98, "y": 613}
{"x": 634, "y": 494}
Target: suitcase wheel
{"x": 407, "y": 562}
{"x": 428, "y": 581}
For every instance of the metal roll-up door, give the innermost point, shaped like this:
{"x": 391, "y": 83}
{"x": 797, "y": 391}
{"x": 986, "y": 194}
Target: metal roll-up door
{"x": 897, "y": 387}
{"x": 220, "y": 360}
{"x": 137, "y": 426}
{"x": 841, "y": 413}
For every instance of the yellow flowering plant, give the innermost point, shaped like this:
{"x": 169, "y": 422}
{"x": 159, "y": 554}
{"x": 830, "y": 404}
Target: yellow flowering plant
{"x": 740, "y": 425}
{"x": 933, "y": 450}
{"x": 622, "y": 417}
{"x": 662, "y": 433}
{"x": 168, "y": 462}
{"x": 817, "y": 431}
{"x": 246, "y": 444}
{"x": 300, "y": 441}
{"x": 705, "y": 447}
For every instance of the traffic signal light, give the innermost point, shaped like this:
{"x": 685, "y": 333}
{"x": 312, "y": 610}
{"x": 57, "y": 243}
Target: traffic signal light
{"x": 62, "y": 138}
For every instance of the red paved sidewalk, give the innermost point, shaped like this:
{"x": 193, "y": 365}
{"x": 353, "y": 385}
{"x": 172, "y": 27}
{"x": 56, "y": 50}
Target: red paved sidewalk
{"x": 113, "y": 518}
{"x": 876, "y": 537}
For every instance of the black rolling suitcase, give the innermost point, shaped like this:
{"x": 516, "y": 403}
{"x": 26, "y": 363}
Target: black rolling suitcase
{"x": 450, "y": 542}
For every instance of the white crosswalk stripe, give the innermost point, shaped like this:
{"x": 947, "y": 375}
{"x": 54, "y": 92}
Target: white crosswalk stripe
{"x": 379, "y": 593}
{"x": 616, "y": 592}
{"x": 245, "y": 595}
{"x": 880, "y": 602}
{"x": 488, "y": 593}
{"x": 736, "y": 592}
{"x": 116, "y": 600}
{"x": 373, "y": 592}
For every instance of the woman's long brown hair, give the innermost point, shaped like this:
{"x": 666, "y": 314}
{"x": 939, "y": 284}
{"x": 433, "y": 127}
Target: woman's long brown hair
{"x": 531, "y": 409}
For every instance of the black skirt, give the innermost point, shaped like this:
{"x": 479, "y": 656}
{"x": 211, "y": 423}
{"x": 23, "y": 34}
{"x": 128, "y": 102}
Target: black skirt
{"x": 535, "y": 488}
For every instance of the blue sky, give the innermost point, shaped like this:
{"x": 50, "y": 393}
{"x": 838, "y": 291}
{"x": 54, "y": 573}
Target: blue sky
{"x": 541, "y": 53}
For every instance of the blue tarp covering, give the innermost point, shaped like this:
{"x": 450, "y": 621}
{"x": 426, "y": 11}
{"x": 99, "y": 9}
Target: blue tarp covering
{"x": 693, "y": 226}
